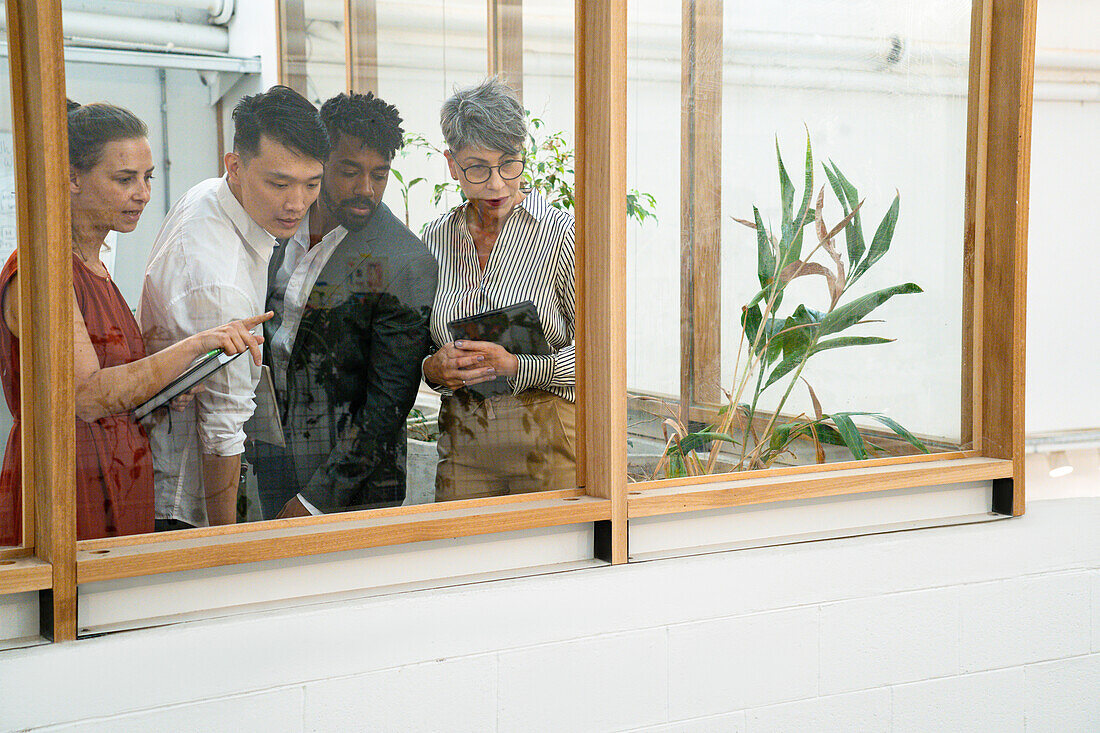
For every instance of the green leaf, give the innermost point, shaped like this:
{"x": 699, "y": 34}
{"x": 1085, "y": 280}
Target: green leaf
{"x": 843, "y": 341}
{"x": 893, "y": 425}
{"x": 854, "y": 312}
{"x": 397, "y": 174}
{"x": 750, "y": 321}
{"x": 786, "y": 190}
{"x": 801, "y": 219}
{"x": 784, "y": 367}
{"x": 696, "y": 441}
{"x": 850, "y": 434}
{"x": 793, "y": 335}
{"x": 765, "y": 258}
{"x": 849, "y": 199}
{"x": 881, "y": 241}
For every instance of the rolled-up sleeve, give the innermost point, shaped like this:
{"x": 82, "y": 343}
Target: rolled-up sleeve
{"x": 227, "y": 401}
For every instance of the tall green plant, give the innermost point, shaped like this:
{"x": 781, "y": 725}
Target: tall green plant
{"x": 780, "y": 347}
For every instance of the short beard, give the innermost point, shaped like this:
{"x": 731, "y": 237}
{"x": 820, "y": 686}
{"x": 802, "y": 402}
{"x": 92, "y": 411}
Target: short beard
{"x": 351, "y": 222}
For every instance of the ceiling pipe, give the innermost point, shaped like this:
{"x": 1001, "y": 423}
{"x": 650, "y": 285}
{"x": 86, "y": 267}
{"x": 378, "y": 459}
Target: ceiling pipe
{"x": 140, "y": 30}
{"x": 220, "y": 11}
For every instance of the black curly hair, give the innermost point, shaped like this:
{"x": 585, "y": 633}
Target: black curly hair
{"x": 364, "y": 116}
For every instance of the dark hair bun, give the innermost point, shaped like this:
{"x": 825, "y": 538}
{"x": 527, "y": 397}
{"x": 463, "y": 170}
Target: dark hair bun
{"x": 91, "y": 126}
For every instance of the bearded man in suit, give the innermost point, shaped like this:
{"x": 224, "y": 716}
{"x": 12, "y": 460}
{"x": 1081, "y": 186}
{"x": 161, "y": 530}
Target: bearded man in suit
{"x": 352, "y": 292}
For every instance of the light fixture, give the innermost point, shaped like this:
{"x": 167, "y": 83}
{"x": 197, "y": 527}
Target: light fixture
{"x": 1059, "y": 464}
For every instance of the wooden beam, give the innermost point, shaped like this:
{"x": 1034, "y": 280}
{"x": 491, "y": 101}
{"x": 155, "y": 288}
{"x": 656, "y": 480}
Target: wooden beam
{"x": 505, "y": 41}
{"x": 291, "y": 29}
{"x": 977, "y": 155}
{"x": 754, "y": 489}
{"x": 37, "y": 67}
{"x": 701, "y": 210}
{"x": 601, "y": 256}
{"x": 361, "y": 45}
{"x": 100, "y": 560}
{"x": 1004, "y": 239}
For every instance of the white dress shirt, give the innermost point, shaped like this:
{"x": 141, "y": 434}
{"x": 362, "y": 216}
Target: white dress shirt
{"x": 208, "y": 266}
{"x": 296, "y": 278}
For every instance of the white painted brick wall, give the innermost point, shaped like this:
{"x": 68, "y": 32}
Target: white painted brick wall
{"x": 1064, "y": 695}
{"x": 1096, "y": 611}
{"x": 708, "y": 673}
{"x": 458, "y": 695}
{"x": 989, "y": 702}
{"x": 991, "y": 627}
{"x": 559, "y": 688}
{"x": 867, "y": 711}
{"x": 1025, "y": 620}
{"x": 901, "y": 637}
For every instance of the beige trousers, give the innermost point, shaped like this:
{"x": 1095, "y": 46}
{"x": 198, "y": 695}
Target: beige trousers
{"x": 505, "y": 445}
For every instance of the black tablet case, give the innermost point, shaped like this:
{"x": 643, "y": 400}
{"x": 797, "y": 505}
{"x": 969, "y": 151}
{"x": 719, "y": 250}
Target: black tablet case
{"x": 515, "y": 327}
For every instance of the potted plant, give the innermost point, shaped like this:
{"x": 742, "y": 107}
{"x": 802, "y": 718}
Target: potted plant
{"x": 774, "y": 349}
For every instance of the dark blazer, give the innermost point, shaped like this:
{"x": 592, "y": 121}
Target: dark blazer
{"x": 355, "y": 367}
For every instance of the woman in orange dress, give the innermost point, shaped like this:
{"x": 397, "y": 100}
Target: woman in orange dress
{"x": 110, "y": 172}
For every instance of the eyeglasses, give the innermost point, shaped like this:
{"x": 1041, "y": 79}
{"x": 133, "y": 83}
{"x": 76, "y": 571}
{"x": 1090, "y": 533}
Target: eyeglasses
{"x": 509, "y": 170}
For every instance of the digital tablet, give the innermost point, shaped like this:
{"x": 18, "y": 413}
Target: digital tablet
{"x": 199, "y": 370}
{"x": 515, "y": 327}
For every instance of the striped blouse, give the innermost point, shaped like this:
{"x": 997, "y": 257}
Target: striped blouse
{"x": 533, "y": 259}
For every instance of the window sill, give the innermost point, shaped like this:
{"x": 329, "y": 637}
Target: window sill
{"x": 19, "y": 575}
{"x": 730, "y": 490}
{"x": 128, "y": 557}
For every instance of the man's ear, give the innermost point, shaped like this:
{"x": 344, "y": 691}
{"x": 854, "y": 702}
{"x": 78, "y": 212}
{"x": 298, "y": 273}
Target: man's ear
{"x": 233, "y": 167}
{"x": 451, "y": 164}
{"x": 74, "y": 181}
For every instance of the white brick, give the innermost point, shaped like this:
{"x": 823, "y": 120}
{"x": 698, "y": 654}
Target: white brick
{"x": 1025, "y": 620}
{"x": 867, "y": 712}
{"x": 1063, "y": 696}
{"x": 880, "y": 641}
{"x": 1096, "y": 611}
{"x": 989, "y": 702}
{"x": 728, "y": 723}
{"x": 601, "y": 684}
{"x": 732, "y": 664}
{"x": 277, "y": 711}
{"x": 455, "y": 695}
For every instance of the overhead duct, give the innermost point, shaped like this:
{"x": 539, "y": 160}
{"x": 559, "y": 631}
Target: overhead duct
{"x": 112, "y": 28}
{"x": 220, "y": 11}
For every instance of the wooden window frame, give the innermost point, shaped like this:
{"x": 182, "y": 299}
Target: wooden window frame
{"x": 1002, "y": 41}
{"x": 1002, "y": 53}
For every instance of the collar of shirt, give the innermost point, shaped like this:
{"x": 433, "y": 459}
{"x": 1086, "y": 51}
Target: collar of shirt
{"x": 535, "y": 204}
{"x": 255, "y": 236}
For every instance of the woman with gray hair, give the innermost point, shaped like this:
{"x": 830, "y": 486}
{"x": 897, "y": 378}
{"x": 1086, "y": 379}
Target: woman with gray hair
{"x": 507, "y": 421}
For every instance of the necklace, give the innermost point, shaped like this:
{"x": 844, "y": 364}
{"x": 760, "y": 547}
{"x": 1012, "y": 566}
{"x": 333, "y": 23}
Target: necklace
{"x": 105, "y": 272}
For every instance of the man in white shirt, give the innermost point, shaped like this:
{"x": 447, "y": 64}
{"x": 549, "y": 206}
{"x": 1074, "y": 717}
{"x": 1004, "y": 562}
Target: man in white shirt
{"x": 208, "y": 265}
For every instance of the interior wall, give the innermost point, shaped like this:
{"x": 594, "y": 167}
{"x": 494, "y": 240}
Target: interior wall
{"x": 984, "y": 628}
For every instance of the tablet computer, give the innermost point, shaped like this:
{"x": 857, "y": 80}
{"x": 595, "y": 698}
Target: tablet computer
{"x": 199, "y": 370}
{"x": 515, "y": 327}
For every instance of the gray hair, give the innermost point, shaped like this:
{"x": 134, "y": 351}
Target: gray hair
{"x": 485, "y": 116}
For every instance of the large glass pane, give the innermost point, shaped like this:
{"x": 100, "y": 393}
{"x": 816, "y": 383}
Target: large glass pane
{"x": 778, "y": 348}
{"x": 15, "y": 502}
{"x": 201, "y": 199}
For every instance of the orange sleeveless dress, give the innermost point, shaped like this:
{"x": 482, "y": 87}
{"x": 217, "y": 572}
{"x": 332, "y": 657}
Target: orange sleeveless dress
{"x": 114, "y": 466}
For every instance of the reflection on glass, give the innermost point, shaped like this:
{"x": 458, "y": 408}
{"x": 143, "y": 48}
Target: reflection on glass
{"x": 11, "y": 491}
{"x": 186, "y": 417}
{"x": 775, "y": 287}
